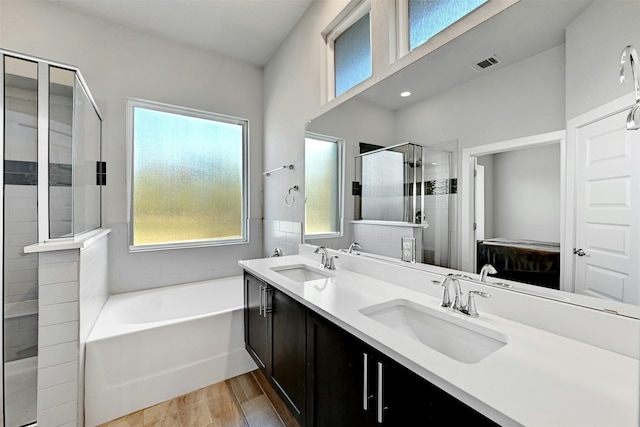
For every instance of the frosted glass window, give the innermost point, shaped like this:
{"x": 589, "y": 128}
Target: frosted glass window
{"x": 189, "y": 172}
{"x": 323, "y": 167}
{"x": 352, "y": 55}
{"x": 428, "y": 17}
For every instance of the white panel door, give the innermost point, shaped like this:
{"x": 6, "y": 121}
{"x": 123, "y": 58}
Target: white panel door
{"x": 607, "y": 257}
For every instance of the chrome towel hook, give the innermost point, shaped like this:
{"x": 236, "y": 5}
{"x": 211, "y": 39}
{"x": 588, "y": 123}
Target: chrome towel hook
{"x": 630, "y": 51}
{"x": 633, "y": 119}
{"x": 288, "y": 196}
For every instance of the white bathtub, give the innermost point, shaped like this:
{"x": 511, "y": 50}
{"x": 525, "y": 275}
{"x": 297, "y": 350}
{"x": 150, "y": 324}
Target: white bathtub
{"x": 151, "y": 346}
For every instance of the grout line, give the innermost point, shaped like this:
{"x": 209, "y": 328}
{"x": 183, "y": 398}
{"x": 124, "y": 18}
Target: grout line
{"x": 246, "y": 421}
{"x": 269, "y": 400}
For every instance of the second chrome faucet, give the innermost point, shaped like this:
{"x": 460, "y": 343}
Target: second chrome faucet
{"x": 327, "y": 260}
{"x": 457, "y": 303}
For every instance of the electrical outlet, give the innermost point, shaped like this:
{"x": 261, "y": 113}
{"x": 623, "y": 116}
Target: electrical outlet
{"x": 409, "y": 249}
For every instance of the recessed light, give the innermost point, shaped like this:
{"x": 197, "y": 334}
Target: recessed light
{"x": 434, "y": 163}
{"x": 405, "y": 94}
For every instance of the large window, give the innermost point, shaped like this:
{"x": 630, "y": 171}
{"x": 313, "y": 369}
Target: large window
{"x": 323, "y": 186}
{"x": 350, "y": 50}
{"x": 187, "y": 176}
{"x": 428, "y": 17}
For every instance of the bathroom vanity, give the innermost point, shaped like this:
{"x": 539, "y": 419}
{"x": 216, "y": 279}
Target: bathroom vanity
{"x": 327, "y": 376}
{"x": 346, "y": 348}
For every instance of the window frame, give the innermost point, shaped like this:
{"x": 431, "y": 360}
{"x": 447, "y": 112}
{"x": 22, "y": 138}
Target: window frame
{"x": 133, "y": 103}
{"x": 344, "y": 21}
{"x": 340, "y": 186}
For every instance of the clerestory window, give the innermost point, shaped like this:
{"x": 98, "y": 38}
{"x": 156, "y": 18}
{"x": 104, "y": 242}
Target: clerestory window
{"x": 349, "y": 47}
{"x": 428, "y": 17}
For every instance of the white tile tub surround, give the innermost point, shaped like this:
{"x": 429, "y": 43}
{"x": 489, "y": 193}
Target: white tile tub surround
{"x": 73, "y": 288}
{"x": 286, "y": 235}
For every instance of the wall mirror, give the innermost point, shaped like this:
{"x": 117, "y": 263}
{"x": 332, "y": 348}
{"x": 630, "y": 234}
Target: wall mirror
{"x": 469, "y": 113}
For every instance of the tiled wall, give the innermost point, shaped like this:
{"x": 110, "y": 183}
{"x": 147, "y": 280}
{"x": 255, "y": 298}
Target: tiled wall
{"x": 59, "y": 341}
{"x": 94, "y": 291}
{"x": 20, "y": 270}
{"x": 386, "y": 240}
{"x": 69, "y": 280}
{"x": 20, "y": 220}
{"x": 286, "y": 235}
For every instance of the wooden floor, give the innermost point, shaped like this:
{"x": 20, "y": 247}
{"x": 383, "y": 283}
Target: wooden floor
{"x": 244, "y": 401}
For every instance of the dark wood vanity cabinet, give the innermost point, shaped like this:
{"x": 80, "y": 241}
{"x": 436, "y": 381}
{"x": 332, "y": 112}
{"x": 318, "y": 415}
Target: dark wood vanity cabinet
{"x": 288, "y": 350}
{"x": 275, "y": 337}
{"x": 328, "y": 377}
{"x": 335, "y": 381}
{"x": 255, "y": 322}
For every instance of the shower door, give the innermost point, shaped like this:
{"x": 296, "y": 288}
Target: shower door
{"x": 20, "y": 224}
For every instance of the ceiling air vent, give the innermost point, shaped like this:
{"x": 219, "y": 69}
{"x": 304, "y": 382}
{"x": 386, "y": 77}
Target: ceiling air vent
{"x": 485, "y": 63}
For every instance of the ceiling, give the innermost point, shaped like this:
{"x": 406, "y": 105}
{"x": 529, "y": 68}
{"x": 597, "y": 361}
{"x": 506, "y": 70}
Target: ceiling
{"x": 248, "y": 30}
{"x": 527, "y": 28}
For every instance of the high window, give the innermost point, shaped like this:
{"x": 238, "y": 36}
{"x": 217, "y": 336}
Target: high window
{"x": 428, "y": 17}
{"x": 323, "y": 186}
{"x": 187, "y": 177}
{"x": 349, "y": 44}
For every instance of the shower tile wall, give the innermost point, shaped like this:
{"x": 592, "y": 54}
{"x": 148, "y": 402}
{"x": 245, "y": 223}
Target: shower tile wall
{"x": 20, "y": 221}
{"x": 440, "y": 209}
{"x": 73, "y": 288}
{"x": 60, "y": 189}
{"x": 286, "y": 235}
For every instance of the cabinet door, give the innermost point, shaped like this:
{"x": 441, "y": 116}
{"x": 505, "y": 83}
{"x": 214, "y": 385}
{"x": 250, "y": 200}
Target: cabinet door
{"x": 288, "y": 349}
{"x": 255, "y": 323}
{"x": 409, "y": 400}
{"x": 336, "y": 387}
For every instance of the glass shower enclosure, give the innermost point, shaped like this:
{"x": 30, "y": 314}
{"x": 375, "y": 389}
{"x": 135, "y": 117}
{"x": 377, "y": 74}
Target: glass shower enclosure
{"x": 52, "y": 175}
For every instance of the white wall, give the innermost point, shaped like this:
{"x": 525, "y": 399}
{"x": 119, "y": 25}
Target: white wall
{"x": 487, "y": 162}
{"x": 595, "y": 41}
{"x": 118, "y": 62}
{"x": 526, "y": 194}
{"x": 523, "y": 99}
{"x": 295, "y": 88}
{"x": 354, "y": 121}
{"x": 292, "y": 93}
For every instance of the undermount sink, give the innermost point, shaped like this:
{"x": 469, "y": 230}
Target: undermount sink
{"x": 454, "y": 337}
{"x": 301, "y": 272}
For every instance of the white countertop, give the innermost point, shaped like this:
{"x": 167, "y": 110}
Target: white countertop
{"x": 537, "y": 379}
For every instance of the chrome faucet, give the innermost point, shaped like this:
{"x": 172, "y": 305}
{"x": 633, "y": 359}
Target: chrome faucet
{"x": 327, "y": 260}
{"x": 487, "y": 269}
{"x": 456, "y": 304}
{"x": 354, "y": 247}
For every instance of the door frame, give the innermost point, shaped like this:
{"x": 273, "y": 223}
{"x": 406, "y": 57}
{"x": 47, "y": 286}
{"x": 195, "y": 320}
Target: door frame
{"x": 618, "y": 105}
{"x": 467, "y": 187}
